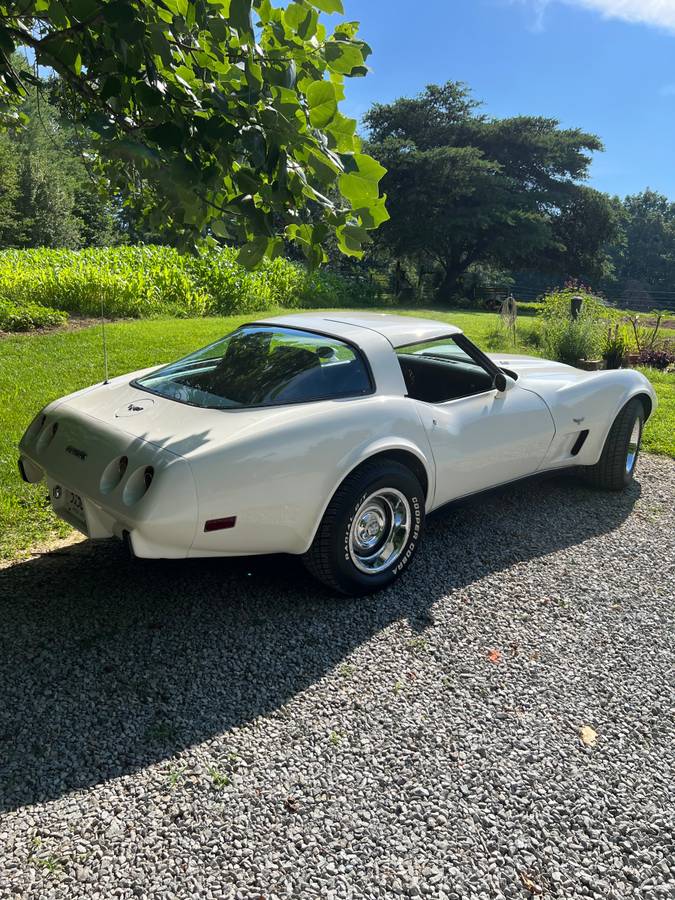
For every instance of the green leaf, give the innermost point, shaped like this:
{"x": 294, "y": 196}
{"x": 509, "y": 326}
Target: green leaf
{"x": 179, "y": 7}
{"x": 6, "y": 42}
{"x": 322, "y": 102}
{"x": 302, "y": 234}
{"x": 361, "y": 187}
{"x": 343, "y": 56}
{"x": 302, "y": 20}
{"x": 343, "y": 132}
{"x": 146, "y": 95}
{"x": 168, "y": 135}
{"x": 374, "y": 215}
{"x": 253, "y": 253}
{"x": 329, "y": 6}
{"x": 83, "y": 9}
{"x": 240, "y": 15}
{"x": 351, "y": 239}
{"x": 118, "y": 13}
{"x": 276, "y": 248}
{"x": 219, "y": 228}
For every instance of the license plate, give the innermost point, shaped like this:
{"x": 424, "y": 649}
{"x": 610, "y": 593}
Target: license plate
{"x": 75, "y": 506}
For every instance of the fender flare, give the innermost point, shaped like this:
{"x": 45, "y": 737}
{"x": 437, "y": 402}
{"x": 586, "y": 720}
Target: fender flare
{"x": 378, "y": 448}
{"x": 633, "y": 394}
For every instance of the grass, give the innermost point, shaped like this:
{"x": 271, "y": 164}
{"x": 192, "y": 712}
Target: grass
{"x": 660, "y": 431}
{"x": 220, "y": 780}
{"x": 35, "y": 369}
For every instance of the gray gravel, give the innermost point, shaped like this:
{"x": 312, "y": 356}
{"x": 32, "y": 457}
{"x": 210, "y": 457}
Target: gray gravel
{"x": 227, "y": 729}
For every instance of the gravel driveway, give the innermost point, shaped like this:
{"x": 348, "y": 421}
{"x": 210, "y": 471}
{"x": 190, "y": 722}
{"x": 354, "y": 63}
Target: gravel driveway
{"x": 227, "y": 729}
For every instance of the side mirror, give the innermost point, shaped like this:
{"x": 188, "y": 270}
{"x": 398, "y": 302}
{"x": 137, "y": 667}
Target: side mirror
{"x": 500, "y": 382}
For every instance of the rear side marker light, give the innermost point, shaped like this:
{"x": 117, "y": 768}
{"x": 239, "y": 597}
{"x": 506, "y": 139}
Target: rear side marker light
{"x": 220, "y": 524}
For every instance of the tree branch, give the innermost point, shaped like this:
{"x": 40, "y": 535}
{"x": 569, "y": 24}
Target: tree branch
{"x": 77, "y": 83}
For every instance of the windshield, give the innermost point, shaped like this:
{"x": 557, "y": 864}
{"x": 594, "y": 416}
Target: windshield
{"x": 263, "y": 366}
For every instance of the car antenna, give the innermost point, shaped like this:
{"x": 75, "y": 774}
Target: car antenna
{"x": 105, "y": 344}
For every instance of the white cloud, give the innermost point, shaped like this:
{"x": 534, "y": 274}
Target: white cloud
{"x": 659, "y": 13}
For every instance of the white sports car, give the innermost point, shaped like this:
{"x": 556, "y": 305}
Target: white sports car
{"x": 327, "y": 436}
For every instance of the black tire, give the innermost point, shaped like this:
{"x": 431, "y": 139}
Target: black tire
{"x": 330, "y": 559}
{"x": 612, "y": 472}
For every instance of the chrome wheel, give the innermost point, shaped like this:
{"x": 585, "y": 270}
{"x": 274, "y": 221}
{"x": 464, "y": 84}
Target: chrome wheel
{"x": 380, "y": 530}
{"x": 633, "y": 446}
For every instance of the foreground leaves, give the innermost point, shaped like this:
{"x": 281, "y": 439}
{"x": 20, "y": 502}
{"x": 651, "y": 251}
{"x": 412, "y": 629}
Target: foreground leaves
{"x": 221, "y": 118}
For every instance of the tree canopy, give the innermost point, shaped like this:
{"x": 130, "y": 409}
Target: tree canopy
{"x": 220, "y": 116}
{"x": 48, "y": 198}
{"x": 466, "y": 188}
{"x": 646, "y": 252}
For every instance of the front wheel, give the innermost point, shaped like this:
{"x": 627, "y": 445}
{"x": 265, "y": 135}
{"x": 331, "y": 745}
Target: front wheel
{"x": 616, "y": 467}
{"x": 370, "y": 531}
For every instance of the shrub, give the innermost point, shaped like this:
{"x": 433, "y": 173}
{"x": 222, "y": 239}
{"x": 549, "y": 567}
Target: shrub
{"x": 657, "y": 358}
{"x": 615, "y": 346}
{"x": 646, "y": 337}
{"x": 566, "y": 339}
{"x": 27, "y": 317}
{"x": 530, "y": 337}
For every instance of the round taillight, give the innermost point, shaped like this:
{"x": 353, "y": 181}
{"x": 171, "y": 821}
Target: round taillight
{"x": 138, "y": 484}
{"x": 113, "y": 474}
{"x": 47, "y": 435}
{"x": 36, "y": 425}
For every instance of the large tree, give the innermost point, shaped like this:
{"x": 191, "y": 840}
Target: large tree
{"x": 466, "y": 188}
{"x": 645, "y": 255}
{"x": 226, "y": 109}
{"x": 586, "y": 230}
{"x": 10, "y": 222}
{"x": 48, "y": 198}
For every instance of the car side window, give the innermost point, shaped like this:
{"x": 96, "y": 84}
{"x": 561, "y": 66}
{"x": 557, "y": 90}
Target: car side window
{"x": 264, "y": 366}
{"x": 439, "y": 371}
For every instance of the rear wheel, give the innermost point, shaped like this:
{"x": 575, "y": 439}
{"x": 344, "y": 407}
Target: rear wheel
{"x": 616, "y": 467}
{"x": 371, "y": 530}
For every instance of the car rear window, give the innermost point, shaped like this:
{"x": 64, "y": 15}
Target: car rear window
{"x": 263, "y": 366}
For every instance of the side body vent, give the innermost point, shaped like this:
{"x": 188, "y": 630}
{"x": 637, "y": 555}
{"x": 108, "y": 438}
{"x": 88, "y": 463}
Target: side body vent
{"x": 579, "y": 443}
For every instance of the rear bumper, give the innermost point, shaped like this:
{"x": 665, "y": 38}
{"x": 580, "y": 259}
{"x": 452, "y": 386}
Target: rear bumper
{"x": 157, "y": 521}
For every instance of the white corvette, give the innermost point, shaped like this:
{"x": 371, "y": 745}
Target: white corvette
{"x": 326, "y": 436}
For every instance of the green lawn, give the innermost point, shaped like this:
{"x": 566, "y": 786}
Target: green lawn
{"x": 35, "y": 369}
{"x": 660, "y": 432}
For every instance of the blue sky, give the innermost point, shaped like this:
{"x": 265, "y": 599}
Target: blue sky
{"x": 607, "y": 66}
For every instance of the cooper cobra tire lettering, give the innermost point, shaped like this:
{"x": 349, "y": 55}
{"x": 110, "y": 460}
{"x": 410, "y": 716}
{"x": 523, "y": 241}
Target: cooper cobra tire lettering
{"x": 331, "y": 559}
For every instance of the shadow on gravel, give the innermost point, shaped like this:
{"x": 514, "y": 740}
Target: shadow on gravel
{"x": 108, "y": 665}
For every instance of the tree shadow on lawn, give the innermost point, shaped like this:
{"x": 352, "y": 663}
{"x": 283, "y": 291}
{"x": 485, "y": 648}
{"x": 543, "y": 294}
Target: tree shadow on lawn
{"x": 108, "y": 665}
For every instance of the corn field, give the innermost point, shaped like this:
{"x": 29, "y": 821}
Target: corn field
{"x": 41, "y": 288}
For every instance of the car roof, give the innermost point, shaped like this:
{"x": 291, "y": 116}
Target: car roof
{"x": 398, "y": 330}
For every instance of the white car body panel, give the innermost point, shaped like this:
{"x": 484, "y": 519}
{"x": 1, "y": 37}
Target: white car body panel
{"x": 485, "y": 440}
{"x": 572, "y": 394}
{"x": 276, "y": 468}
